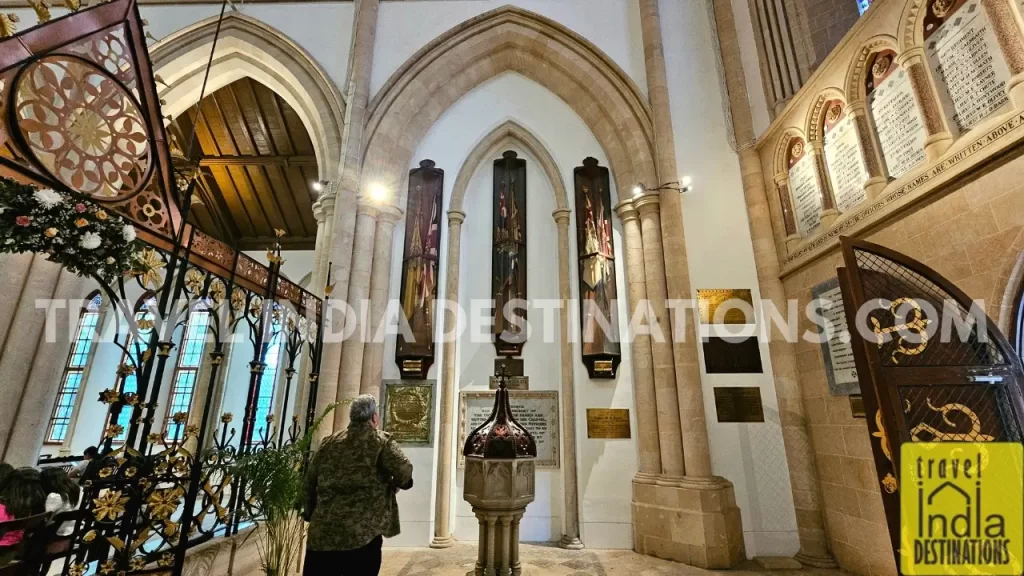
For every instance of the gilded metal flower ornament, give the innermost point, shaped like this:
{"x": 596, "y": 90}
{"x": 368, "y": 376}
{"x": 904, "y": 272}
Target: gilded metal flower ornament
{"x": 137, "y": 563}
{"x": 256, "y": 306}
{"x": 131, "y": 472}
{"x": 110, "y": 396}
{"x": 125, "y": 370}
{"x": 108, "y": 567}
{"x": 147, "y": 267}
{"x": 153, "y": 438}
{"x": 180, "y": 417}
{"x": 217, "y": 291}
{"x": 163, "y": 503}
{"x": 237, "y": 300}
{"x": 89, "y": 536}
{"x": 131, "y": 399}
{"x": 106, "y": 472}
{"x": 110, "y": 505}
{"x": 270, "y": 418}
{"x": 194, "y": 280}
{"x": 889, "y": 483}
{"x": 114, "y": 430}
{"x": 191, "y": 431}
{"x": 227, "y": 417}
{"x": 76, "y": 570}
{"x": 166, "y": 560}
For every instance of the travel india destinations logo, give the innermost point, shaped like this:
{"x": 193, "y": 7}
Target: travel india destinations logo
{"x": 962, "y": 508}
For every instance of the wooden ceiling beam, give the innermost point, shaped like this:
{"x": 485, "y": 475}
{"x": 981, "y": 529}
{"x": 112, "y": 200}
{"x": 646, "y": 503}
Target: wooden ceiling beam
{"x": 250, "y": 160}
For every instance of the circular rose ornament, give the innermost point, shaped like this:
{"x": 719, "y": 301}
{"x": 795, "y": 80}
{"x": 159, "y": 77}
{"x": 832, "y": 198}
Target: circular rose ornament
{"x": 83, "y": 127}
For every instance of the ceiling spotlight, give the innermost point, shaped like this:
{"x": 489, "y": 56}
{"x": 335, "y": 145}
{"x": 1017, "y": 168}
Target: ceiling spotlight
{"x": 317, "y": 186}
{"x": 687, "y": 181}
{"x": 638, "y": 189}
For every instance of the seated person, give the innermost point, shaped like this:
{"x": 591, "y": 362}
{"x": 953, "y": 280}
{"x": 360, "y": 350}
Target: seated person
{"x": 62, "y": 495}
{"x": 20, "y": 497}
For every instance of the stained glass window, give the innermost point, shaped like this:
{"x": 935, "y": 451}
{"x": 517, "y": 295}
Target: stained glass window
{"x": 187, "y": 371}
{"x": 268, "y": 385}
{"x": 863, "y": 5}
{"x": 74, "y": 370}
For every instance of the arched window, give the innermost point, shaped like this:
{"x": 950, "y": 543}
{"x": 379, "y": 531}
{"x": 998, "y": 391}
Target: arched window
{"x": 144, "y": 319}
{"x": 187, "y": 371}
{"x": 74, "y": 370}
{"x": 268, "y": 385}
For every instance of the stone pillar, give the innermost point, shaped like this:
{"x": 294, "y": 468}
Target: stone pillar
{"x": 788, "y": 216}
{"x": 13, "y": 274}
{"x": 570, "y": 485}
{"x": 44, "y": 375}
{"x": 349, "y": 374}
{"x": 443, "y": 497}
{"x": 868, "y": 146}
{"x": 645, "y": 396}
{"x": 829, "y": 212}
{"x": 669, "y": 427}
{"x": 1007, "y": 30}
{"x": 380, "y": 281}
{"x": 341, "y": 240}
{"x": 799, "y": 456}
{"x": 939, "y": 137}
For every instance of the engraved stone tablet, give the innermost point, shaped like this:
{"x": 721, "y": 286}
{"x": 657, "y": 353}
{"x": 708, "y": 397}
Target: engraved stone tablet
{"x": 738, "y": 404}
{"x": 535, "y": 410}
{"x": 803, "y": 181}
{"x": 965, "y": 58}
{"x": 844, "y": 159}
{"x": 897, "y": 121}
{"x": 725, "y": 306}
{"x": 408, "y": 410}
{"x": 840, "y": 368}
{"x": 607, "y": 423}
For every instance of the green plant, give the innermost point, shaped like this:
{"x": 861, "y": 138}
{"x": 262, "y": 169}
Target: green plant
{"x": 275, "y": 483}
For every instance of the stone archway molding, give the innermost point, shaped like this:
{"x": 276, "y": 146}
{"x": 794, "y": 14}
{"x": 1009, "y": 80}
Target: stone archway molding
{"x": 249, "y": 47}
{"x": 509, "y": 39}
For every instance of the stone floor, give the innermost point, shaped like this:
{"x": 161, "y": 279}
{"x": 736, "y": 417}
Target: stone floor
{"x": 541, "y": 560}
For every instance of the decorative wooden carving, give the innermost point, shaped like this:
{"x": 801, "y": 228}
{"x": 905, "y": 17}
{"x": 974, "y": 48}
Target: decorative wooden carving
{"x": 420, "y": 269}
{"x": 919, "y": 388}
{"x": 508, "y": 257}
{"x": 596, "y": 253}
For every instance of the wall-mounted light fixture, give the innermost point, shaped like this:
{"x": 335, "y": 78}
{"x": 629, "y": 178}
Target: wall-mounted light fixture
{"x": 318, "y": 186}
{"x": 378, "y": 192}
{"x": 685, "y": 185}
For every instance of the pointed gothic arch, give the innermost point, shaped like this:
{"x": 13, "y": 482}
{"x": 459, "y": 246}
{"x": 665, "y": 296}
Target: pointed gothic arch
{"x": 502, "y": 40}
{"x": 249, "y": 47}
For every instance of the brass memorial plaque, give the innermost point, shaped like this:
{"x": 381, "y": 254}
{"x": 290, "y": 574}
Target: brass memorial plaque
{"x": 408, "y": 410}
{"x": 714, "y": 310}
{"x": 513, "y": 383}
{"x": 739, "y": 404}
{"x": 607, "y": 423}
{"x": 857, "y": 406}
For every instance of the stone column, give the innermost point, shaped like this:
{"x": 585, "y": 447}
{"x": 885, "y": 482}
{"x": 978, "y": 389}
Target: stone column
{"x": 1007, "y": 30}
{"x": 380, "y": 282}
{"x": 13, "y": 274}
{"x": 829, "y": 212}
{"x": 939, "y": 138}
{"x": 341, "y": 240}
{"x": 443, "y": 497}
{"x": 349, "y": 373}
{"x": 799, "y": 456}
{"x": 667, "y": 397}
{"x": 570, "y": 486}
{"x": 696, "y": 452}
{"x": 869, "y": 149}
{"x": 44, "y": 375}
{"x": 788, "y": 216}
{"x": 645, "y": 396}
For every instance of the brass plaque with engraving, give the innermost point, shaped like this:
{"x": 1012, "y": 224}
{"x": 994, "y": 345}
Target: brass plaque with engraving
{"x": 513, "y": 383}
{"x": 725, "y": 306}
{"x": 408, "y": 410}
{"x": 607, "y": 423}
{"x": 857, "y": 406}
{"x": 738, "y": 404}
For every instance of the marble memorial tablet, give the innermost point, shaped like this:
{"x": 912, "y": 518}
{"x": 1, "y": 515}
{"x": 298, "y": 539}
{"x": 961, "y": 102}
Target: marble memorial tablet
{"x": 837, "y": 350}
{"x": 965, "y": 57}
{"x": 845, "y": 162}
{"x": 898, "y": 123}
{"x": 535, "y": 410}
{"x": 803, "y": 181}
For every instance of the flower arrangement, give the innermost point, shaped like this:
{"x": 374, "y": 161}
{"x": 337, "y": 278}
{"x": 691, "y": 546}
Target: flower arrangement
{"x": 75, "y": 233}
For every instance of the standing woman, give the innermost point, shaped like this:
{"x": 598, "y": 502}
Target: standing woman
{"x": 62, "y": 495}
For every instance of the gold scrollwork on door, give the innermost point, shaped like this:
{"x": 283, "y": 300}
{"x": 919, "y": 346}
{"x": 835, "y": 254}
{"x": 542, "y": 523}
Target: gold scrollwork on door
{"x": 916, "y": 323}
{"x": 937, "y": 435}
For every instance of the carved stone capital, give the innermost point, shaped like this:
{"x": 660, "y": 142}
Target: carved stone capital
{"x": 456, "y": 217}
{"x": 626, "y": 210}
{"x": 648, "y": 203}
{"x": 561, "y": 216}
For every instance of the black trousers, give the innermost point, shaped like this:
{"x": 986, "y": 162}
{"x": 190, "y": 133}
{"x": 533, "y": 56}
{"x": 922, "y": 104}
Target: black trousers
{"x": 363, "y": 561}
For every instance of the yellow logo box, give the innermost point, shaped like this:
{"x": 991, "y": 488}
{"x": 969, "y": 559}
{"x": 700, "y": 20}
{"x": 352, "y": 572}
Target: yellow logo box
{"x": 962, "y": 508}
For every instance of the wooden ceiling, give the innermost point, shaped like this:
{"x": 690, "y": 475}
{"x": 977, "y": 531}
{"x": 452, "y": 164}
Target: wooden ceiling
{"x": 256, "y": 167}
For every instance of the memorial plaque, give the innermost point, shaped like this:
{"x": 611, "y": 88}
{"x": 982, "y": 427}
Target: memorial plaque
{"x": 895, "y": 113}
{"x": 732, "y": 355}
{"x": 607, "y": 423}
{"x": 964, "y": 56}
{"x": 408, "y": 410}
{"x": 715, "y": 310}
{"x": 857, "y": 406}
{"x": 535, "y": 410}
{"x": 837, "y": 350}
{"x": 513, "y": 383}
{"x": 803, "y": 181}
{"x": 844, "y": 156}
{"x": 738, "y": 404}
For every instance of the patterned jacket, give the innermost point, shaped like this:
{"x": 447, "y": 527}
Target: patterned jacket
{"x": 351, "y": 489}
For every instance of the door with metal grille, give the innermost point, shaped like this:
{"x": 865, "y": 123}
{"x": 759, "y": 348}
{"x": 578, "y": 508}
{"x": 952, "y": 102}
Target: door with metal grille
{"x": 933, "y": 367}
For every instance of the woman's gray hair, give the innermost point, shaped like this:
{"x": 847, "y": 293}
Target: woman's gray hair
{"x": 362, "y": 408}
